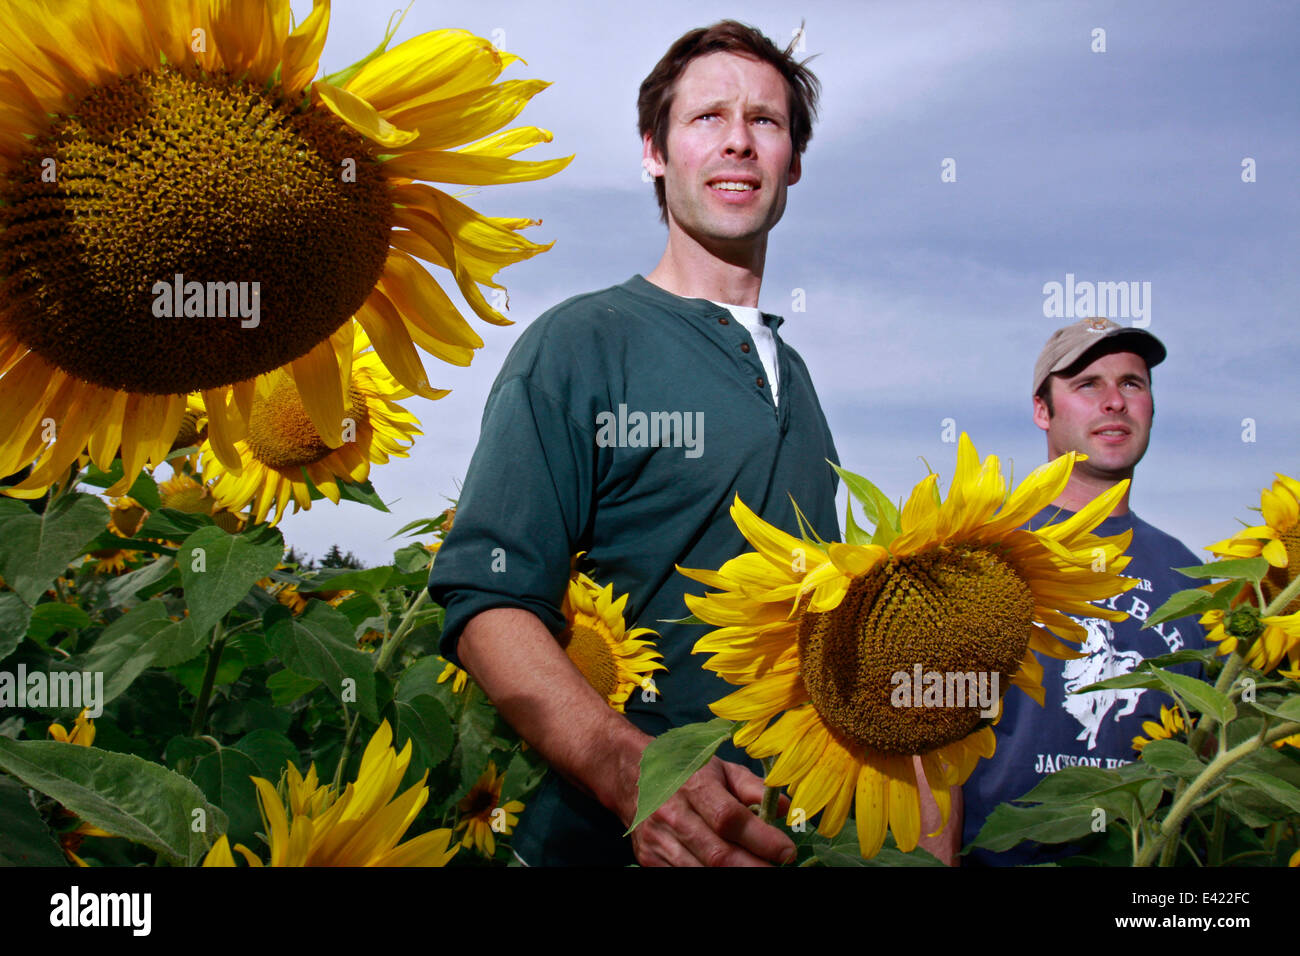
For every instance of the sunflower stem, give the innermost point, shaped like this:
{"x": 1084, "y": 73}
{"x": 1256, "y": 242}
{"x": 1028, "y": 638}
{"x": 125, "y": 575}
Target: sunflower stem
{"x": 1214, "y": 854}
{"x": 1283, "y": 600}
{"x": 209, "y": 678}
{"x": 404, "y": 628}
{"x": 1184, "y": 804}
{"x": 346, "y": 753}
{"x": 771, "y": 795}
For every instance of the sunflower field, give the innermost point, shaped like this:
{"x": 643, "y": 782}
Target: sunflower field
{"x": 177, "y": 690}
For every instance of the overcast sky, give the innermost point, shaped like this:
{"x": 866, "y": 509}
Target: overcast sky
{"x": 924, "y": 298}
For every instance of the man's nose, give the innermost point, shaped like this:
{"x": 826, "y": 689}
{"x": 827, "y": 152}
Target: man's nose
{"x": 1114, "y": 400}
{"x": 739, "y": 140}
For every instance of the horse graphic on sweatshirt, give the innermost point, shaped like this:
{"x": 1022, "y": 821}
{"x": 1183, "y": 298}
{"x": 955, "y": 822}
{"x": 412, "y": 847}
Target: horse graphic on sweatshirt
{"x": 1103, "y": 662}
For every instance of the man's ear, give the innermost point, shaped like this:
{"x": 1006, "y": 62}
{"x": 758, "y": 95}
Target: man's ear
{"x": 651, "y": 161}
{"x": 1041, "y": 418}
{"x": 796, "y": 170}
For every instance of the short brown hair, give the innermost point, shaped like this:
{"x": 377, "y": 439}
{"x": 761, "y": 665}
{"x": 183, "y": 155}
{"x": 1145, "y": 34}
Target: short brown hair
{"x": 655, "y": 100}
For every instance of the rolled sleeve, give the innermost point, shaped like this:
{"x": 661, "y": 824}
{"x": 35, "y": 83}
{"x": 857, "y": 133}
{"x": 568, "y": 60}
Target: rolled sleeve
{"x": 522, "y": 513}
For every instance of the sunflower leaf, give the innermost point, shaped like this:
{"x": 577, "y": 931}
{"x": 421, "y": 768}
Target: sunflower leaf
{"x": 15, "y": 617}
{"x": 1249, "y": 569}
{"x": 875, "y": 505}
{"x": 1139, "y": 678}
{"x": 672, "y": 758}
{"x": 1275, "y": 790}
{"x": 25, "y": 839}
{"x": 225, "y": 777}
{"x": 123, "y": 652}
{"x": 318, "y": 644}
{"x": 1172, "y": 756}
{"x": 123, "y": 794}
{"x": 1008, "y": 825}
{"x": 218, "y": 568}
{"x": 1181, "y": 604}
{"x": 39, "y": 547}
{"x": 1198, "y": 695}
{"x": 1187, "y": 655}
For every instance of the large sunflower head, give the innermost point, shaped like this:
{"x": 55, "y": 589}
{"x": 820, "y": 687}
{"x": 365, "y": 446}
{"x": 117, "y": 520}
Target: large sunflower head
{"x": 284, "y": 449}
{"x": 1277, "y": 540}
{"x": 171, "y": 174}
{"x": 613, "y": 659}
{"x": 314, "y": 825}
{"x": 945, "y": 598}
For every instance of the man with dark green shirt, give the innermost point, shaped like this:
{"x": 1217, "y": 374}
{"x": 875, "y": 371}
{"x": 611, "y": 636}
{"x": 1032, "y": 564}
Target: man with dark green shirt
{"x": 624, "y": 423}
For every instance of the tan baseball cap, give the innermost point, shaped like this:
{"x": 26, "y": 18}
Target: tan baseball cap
{"x": 1095, "y": 335}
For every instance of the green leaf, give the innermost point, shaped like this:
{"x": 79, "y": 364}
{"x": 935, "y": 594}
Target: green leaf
{"x": 171, "y": 525}
{"x": 190, "y": 674}
{"x": 412, "y": 558}
{"x": 1137, "y": 678}
{"x": 286, "y": 687}
{"x": 217, "y": 569}
{"x": 121, "y": 591}
{"x": 120, "y": 793}
{"x": 14, "y": 617}
{"x": 53, "y": 617}
{"x": 1072, "y": 785}
{"x": 25, "y": 840}
{"x": 1185, "y": 656}
{"x": 272, "y": 752}
{"x": 1199, "y": 695}
{"x": 123, "y": 652}
{"x": 1172, "y": 756}
{"x": 37, "y": 548}
{"x": 1288, "y": 710}
{"x": 177, "y": 643}
{"x": 1225, "y": 595}
{"x": 1008, "y": 825}
{"x": 363, "y": 493}
{"x": 671, "y": 759}
{"x": 1275, "y": 790}
{"x": 319, "y": 644}
{"x": 224, "y": 776}
{"x": 369, "y": 581}
{"x": 1180, "y": 604}
{"x": 1249, "y": 569}
{"x": 875, "y": 505}
{"x": 181, "y": 748}
{"x": 476, "y": 736}
{"x": 425, "y": 722}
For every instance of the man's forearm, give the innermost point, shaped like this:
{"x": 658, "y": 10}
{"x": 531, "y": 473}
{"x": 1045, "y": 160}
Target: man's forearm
{"x": 539, "y": 691}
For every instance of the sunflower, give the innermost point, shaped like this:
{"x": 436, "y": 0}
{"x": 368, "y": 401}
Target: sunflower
{"x": 456, "y": 675}
{"x": 317, "y": 827}
{"x": 819, "y": 633}
{"x": 1277, "y": 540}
{"x": 284, "y": 450}
{"x": 1278, "y": 639}
{"x": 183, "y": 492}
{"x": 83, "y": 731}
{"x": 70, "y": 841}
{"x": 612, "y": 659}
{"x": 183, "y": 209}
{"x": 1171, "y": 722}
{"x": 483, "y": 814}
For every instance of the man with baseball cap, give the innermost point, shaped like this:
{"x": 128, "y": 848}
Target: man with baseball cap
{"x": 1092, "y": 394}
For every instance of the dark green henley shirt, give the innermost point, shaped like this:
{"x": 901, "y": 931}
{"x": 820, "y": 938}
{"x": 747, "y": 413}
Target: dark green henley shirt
{"x": 580, "y": 450}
